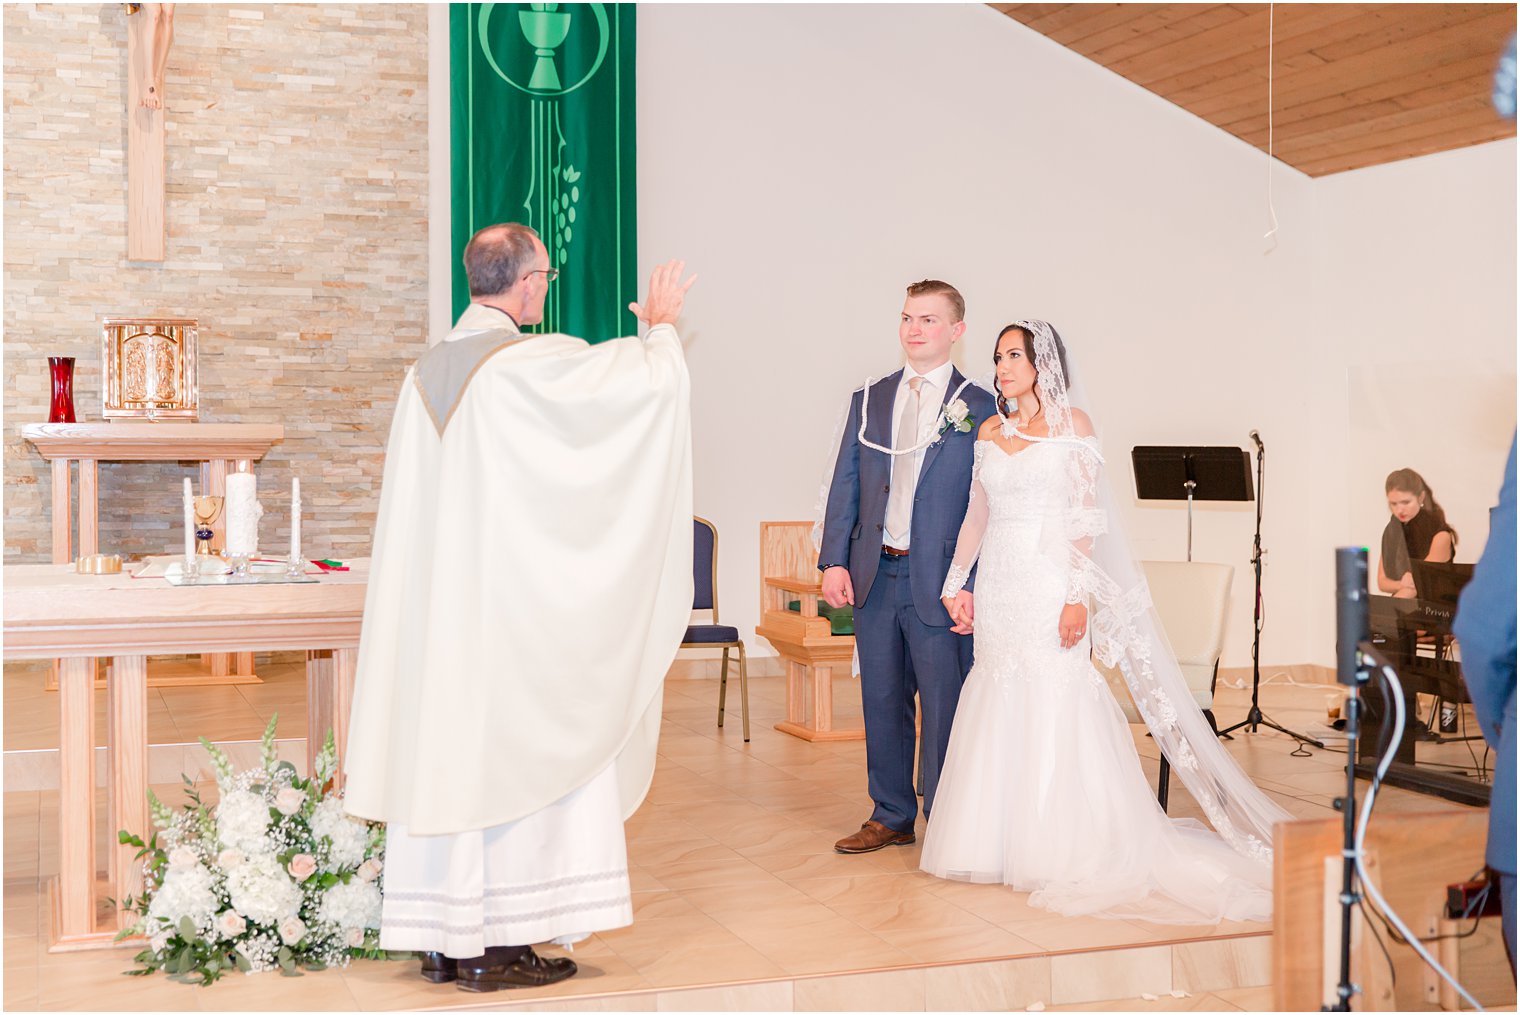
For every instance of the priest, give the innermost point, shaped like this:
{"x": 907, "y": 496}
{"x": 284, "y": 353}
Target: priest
{"x": 530, "y": 584}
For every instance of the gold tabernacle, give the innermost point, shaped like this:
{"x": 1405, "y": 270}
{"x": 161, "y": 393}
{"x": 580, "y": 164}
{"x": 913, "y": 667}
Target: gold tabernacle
{"x": 149, "y": 368}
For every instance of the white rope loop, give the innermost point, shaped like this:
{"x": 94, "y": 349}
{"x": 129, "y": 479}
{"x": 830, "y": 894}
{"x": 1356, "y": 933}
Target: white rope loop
{"x": 865, "y": 399}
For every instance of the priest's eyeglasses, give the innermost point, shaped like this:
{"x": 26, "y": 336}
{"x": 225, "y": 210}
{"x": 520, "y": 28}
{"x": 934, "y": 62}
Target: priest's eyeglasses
{"x": 549, "y": 274}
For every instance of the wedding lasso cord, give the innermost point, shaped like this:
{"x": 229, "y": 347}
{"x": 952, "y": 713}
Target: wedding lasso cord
{"x": 1396, "y": 696}
{"x": 1010, "y": 429}
{"x": 865, "y": 399}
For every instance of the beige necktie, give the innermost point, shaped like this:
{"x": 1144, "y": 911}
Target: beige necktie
{"x": 900, "y": 504}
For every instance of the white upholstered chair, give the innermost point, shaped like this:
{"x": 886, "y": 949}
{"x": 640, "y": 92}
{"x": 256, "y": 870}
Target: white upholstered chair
{"x": 1191, "y": 598}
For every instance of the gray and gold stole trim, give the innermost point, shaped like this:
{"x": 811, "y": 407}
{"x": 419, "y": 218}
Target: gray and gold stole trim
{"x": 444, "y": 371}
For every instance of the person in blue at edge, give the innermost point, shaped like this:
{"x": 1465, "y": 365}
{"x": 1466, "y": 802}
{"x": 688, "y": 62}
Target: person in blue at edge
{"x": 1485, "y": 629}
{"x": 889, "y": 532}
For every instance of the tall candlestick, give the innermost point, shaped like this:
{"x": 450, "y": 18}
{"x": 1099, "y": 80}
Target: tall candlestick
{"x": 295, "y": 524}
{"x": 189, "y": 520}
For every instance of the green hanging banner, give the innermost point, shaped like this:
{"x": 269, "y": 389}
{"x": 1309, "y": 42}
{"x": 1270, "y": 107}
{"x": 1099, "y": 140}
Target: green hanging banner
{"x": 542, "y": 132}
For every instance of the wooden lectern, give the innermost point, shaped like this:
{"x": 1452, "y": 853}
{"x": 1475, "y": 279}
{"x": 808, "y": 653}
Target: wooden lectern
{"x": 789, "y": 570}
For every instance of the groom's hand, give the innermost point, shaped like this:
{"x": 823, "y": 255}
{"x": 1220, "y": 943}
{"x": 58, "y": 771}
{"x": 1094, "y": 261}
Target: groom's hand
{"x": 667, "y": 294}
{"x": 837, "y": 588}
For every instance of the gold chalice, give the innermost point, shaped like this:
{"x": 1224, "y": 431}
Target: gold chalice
{"x": 207, "y": 511}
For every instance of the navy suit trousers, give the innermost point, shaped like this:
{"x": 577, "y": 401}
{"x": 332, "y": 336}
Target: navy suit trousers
{"x": 900, "y": 654}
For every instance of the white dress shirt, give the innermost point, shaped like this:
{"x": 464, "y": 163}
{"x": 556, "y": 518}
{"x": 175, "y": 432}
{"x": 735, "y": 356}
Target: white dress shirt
{"x": 931, "y": 402}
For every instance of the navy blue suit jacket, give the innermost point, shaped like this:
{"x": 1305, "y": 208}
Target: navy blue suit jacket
{"x": 1485, "y": 628}
{"x": 857, "y": 506}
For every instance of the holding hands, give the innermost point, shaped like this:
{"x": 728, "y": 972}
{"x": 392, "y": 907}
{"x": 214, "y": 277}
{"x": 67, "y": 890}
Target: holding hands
{"x": 962, "y": 611}
{"x": 667, "y": 294}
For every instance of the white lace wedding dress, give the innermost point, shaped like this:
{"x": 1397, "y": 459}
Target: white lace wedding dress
{"x": 1042, "y": 787}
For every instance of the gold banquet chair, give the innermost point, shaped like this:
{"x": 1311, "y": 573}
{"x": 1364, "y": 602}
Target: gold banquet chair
{"x": 704, "y": 567}
{"x": 1191, "y": 599}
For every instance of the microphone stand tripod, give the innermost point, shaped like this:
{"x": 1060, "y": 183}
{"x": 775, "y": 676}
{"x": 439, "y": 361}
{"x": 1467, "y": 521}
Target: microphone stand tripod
{"x": 1255, "y": 718}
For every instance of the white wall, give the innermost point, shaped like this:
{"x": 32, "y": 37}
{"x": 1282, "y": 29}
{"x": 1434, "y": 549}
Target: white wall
{"x": 810, "y": 161}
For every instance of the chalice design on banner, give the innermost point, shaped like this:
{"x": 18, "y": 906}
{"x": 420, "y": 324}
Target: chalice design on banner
{"x": 545, "y": 28}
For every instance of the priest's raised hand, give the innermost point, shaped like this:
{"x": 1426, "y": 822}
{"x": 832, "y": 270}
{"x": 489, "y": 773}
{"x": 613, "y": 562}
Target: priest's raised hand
{"x": 667, "y": 295}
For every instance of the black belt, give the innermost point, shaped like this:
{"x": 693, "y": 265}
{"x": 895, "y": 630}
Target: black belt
{"x": 892, "y": 551}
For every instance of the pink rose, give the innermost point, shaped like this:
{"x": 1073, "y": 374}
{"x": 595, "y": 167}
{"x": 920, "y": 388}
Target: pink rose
{"x": 231, "y": 923}
{"x": 289, "y": 800}
{"x": 292, "y": 930}
{"x": 355, "y": 937}
{"x": 369, "y": 870}
{"x": 302, "y": 866}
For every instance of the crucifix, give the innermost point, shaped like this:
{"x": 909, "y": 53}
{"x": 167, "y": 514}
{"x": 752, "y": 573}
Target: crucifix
{"x": 150, "y": 33}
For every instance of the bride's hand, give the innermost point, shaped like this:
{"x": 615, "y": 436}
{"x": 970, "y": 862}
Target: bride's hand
{"x": 1073, "y": 624}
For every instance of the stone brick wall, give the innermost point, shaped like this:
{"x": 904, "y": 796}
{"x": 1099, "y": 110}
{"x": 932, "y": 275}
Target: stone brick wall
{"x": 297, "y": 219}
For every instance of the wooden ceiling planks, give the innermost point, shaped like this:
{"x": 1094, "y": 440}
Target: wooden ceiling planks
{"x": 1354, "y": 84}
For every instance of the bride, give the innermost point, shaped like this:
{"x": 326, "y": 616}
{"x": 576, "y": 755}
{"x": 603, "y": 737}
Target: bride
{"x": 1042, "y": 787}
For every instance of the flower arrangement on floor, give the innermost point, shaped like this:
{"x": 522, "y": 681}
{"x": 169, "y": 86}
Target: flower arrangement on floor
{"x": 273, "y": 876}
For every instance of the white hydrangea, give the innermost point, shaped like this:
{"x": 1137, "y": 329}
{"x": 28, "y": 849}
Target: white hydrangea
{"x": 186, "y": 891}
{"x": 349, "y": 836}
{"x": 242, "y": 818}
{"x": 260, "y": 889}
{"x": 356, "y": 904}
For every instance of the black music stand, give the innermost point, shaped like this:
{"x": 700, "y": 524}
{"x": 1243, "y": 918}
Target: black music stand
{"x": 1192, "y": 473}
{"x": 1214, "y": 473}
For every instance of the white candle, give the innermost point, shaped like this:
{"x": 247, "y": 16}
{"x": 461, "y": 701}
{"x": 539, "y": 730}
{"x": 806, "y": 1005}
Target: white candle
{"x": 242, "y": 509}
{"x": 295, "y": 520}
{"x": 189, "y": 520}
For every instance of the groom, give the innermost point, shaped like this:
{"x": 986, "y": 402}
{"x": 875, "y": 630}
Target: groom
{"x": 888, "y": 537}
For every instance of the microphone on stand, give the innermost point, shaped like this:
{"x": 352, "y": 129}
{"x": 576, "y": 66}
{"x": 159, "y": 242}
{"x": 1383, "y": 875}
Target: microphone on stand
{"x": 1257, "y": 438}
{"x": 1351, "y": 611}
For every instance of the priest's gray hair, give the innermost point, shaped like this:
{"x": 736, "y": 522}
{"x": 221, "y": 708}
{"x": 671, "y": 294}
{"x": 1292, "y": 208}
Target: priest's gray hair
{"x": 497, "y": 256}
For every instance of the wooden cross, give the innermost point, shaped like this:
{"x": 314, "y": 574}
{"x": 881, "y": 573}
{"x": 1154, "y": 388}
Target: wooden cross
{"x": 150, "y": 33}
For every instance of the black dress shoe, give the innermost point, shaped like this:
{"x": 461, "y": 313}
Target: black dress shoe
{"x": 531, "y": 970}
{"x": 438, "y": 967}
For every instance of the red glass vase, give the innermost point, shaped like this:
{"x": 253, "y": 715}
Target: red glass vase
{"x": 62, "y": 409}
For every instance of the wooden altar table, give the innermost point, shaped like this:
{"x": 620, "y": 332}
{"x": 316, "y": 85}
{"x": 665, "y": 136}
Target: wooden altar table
{"x": 50, "y": 612}
{"x": 219, "y": 447}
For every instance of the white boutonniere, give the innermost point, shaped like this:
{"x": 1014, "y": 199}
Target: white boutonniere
{"x": 957, "y": 414}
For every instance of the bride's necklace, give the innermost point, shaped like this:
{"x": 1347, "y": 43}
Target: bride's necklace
{"x": 1012, "y": 425}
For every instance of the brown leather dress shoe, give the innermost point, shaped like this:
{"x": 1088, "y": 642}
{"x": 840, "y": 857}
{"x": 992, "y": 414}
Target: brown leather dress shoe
{"x": 873, "y": 835}
{"x": 531, "y": 970}
{"x": 438, "y": 967}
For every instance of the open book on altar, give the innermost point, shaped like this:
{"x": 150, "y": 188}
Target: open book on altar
{"x": 212, "y": 569}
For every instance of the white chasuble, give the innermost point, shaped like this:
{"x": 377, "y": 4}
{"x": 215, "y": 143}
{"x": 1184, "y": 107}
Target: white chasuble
{"x": 531, "y": 579}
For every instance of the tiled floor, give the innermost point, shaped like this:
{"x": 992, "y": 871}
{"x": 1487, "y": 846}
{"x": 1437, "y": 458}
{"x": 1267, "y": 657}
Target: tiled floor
{"x": 740, "y": 900}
